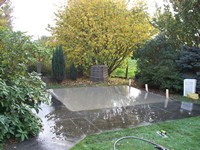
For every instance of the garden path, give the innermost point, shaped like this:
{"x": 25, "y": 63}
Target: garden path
{"x": 78, "y": 112}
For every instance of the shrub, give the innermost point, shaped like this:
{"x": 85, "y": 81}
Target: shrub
{"x": 189, "y": 63}
{"x": 80, "y": 71}
{"x": 20, "y": 93}
{"x": 17, "y": 99}
{"x": 157, "y": 66}
{"x": 73, "y": 72}
{"x": 46, "y": 68}
{"x": 58, "y": 64}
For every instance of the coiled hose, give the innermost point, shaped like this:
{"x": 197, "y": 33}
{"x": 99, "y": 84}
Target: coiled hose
{"x": 157, "y": 146}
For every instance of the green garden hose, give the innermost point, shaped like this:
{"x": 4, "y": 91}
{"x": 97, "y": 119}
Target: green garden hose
{"x": 159, "y": 147}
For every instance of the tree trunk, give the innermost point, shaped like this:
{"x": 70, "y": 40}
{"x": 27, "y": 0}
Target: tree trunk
{"x": 126, "y": 72}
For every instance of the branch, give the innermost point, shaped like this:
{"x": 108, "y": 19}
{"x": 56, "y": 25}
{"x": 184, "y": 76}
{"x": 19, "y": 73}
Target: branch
{"x": 2, "y": 2}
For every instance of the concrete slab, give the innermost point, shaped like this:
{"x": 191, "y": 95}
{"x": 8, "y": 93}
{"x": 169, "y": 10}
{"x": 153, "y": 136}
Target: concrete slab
{"x": 90, "y": 98}
{"x": 70, "y": 119}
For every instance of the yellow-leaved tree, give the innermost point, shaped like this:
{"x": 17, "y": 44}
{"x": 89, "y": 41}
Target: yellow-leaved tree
{"x": 100, "y": 31}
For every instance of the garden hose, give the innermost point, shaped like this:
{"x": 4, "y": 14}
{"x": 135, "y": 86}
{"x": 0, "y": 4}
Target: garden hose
{"x": 159, "y": 147}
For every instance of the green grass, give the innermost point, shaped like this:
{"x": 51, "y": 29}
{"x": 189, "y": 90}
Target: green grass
{"x": 121, "y": 71}
{"x": 182, "y": 134}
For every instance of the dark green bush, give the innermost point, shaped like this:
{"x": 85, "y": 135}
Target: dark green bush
{"x": 32, "y": 68}
{"x": 157, "y": 66}
{"x": 73, "y": 72}
{"x": 80, "y": 71}
{"x": 58, "y": 64}
{"x": 46, "y": 68}
{"x": 189, "y": 63}
{"x": 20, "y": 93}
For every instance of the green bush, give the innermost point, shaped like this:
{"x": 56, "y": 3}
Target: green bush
{"x": 17, "y": 99}
{"x": 121, "y": 71}
{"x": 46, "y": 68}
{"x": 73, "y": 72}
{"x": 189, "y": 63}
{"x": 58, "y": 64}
{"x": 20, "y": 93}
{"x": 156, "y": 64}
{"x": 80, "y": 71}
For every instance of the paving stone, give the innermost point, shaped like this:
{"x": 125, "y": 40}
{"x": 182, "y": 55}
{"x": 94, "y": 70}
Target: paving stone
{"x": 77, "y": 112}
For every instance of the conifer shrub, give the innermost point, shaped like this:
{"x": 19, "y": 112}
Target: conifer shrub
{"x": 73, "y": 72}
{"x": 189, "y": 63}
{"x": 58, "y": 64}
{"x": 156, "y": 62}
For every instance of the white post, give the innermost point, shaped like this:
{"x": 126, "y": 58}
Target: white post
{"x": 129, "y": 82}
{"x": 167, "y": 93}
{"x": 146, "y": 95}
{"x": 166, "y": 102}
{"x": 146, "y": 87}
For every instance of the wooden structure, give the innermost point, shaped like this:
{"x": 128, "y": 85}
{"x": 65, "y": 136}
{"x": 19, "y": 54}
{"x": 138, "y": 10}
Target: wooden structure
{"x": 99, "y": 73}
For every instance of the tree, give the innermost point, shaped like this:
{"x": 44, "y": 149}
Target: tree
{"x": 5, "y": 14}
{"x": 73, "y": 72}
{"x": 44, "y": 55}
{"x": 58, "y": 64}
{"x": 156, "y": 62}
{"x": 100, "y": 32}
{"x": 180, "y": 22}
{"x": 189, "y": 63}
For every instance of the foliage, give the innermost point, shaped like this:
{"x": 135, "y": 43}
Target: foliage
{"x": 20, "y": 93}
{"x": 157, "y": 66}
{"x": 189, "y": 62}
{"x": 100, "y": 32}
{"x": 58, "y": 64}
{"x": 121, "y": 71}
{"x": 73, "y": 72}
{"x": 45, "y": 65}
{"x": 180, "y": 22}
{"x": 5, "y": 14}
{"x": 44, "y": 55}
{"x": 16, "y": 52}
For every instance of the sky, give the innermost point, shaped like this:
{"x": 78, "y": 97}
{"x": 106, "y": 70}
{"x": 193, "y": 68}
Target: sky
{"x": 33, "y": 16}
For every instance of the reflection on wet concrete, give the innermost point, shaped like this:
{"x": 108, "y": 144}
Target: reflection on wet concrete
{"x": 89, "y": 98}
{"x": 63, "y": 127}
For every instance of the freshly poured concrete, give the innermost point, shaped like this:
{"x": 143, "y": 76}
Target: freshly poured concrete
{"x": 64, "y": 127}
{"x": 90, "y": 98}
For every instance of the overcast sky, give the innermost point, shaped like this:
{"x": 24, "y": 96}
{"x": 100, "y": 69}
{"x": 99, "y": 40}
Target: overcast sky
{"x": 33, "y": 16}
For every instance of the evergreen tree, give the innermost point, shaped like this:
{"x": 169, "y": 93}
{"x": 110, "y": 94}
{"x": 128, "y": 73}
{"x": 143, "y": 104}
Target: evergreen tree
{"x": 156, "y": 62}
{"x": 189, "y": 63}
{"x": 58, "y": 64}
{"x": 73, "y": 72}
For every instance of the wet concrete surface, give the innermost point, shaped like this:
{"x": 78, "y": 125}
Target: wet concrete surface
{"x": 70, "y": 118}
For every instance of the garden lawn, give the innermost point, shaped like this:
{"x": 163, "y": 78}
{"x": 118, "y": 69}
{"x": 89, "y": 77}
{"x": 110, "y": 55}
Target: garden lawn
{"x": 182, "y": 134}
{"x": 121, "y": 71}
